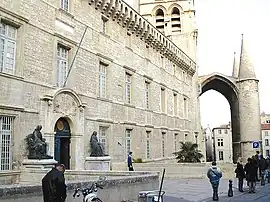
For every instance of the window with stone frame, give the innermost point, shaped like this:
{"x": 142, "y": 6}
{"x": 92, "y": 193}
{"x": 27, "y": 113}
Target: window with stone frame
{"x": 102, "y": 80}
{"x": 163, "y": 144}
{"x": 6, "y": 133}
{"x": 64, "y": 4}
{"x": 219, "y": 131}
{"x": 8, "y": 35}
{"x": 128, "y": 140}
{"x": 266, "y": 142}
{"x": 266, "y": 133}
{"x": 175, "y": 142}
{"x": 220, "y": 142}
{"x": 163, "y": 100}
{"x": 176, "y": 20}
{"x": 221, "y": 155}
{"x": 103, "y": 137}
{"x": 128, "y": 88}
{"x": 160, "y": 21}
{"x": 147, "y": 93}
{"x": 226, "y": 131}
{"x": 185, "y": 108}
{"x": 62, "y": 65}
{"x": 175, "y": 104}
{"x": 148, "y": 134}
{"x": 267, "y": 152}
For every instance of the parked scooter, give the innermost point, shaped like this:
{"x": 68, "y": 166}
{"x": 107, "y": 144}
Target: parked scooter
{"x": 90, "y": 194}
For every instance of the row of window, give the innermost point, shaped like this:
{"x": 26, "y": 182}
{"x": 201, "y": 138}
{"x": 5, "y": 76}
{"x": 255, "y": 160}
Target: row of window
{"x": 220, "y": 131}
{"x": 175, "y": 20}
{"x": 147, "y": 89}
{"x": 7, "y": 65}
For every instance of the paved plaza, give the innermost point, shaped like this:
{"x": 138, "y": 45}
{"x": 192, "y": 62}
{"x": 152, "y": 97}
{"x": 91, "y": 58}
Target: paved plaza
{"x": 188, "y": 190}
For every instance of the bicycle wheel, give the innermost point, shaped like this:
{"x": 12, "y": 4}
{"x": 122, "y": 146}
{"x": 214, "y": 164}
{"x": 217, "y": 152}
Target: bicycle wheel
{"x": 97, "y": 200}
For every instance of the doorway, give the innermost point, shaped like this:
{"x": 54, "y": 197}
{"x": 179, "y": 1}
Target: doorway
{"x": 62, "y": 142}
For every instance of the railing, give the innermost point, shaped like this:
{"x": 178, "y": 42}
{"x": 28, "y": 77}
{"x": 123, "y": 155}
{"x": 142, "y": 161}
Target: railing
{"x": 126, "y": 16}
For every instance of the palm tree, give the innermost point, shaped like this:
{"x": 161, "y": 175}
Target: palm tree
{"x": 189, "y": 153}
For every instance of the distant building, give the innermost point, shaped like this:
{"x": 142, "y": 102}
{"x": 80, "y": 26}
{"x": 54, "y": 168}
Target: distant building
{"x": 265, "y": 139}
{"x": 222, "y": 136}
{"x": 265, "y": 118}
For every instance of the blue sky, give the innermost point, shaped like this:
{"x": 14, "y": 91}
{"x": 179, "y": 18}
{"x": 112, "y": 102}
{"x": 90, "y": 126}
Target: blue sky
{"x": 220, "y": 24}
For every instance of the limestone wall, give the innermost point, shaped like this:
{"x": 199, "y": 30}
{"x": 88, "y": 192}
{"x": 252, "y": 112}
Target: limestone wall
{"x": 128, "y": 44}
{"x": 115, "y": 190}
{"x": 180, "y": 170}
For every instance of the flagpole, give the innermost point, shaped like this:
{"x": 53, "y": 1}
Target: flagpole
{"x": 73, "y": 60}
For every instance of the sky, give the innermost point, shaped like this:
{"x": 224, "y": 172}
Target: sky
{"x": 220, "y": 24}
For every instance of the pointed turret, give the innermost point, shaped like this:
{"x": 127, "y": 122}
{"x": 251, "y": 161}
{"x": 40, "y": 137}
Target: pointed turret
{"x": 235, "y": 67}
{"x": 246, "y": 70}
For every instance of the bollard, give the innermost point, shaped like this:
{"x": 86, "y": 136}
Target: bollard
{"x": 230, "y": 191}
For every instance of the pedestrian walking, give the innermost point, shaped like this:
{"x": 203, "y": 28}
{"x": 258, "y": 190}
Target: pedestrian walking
{"x": 240, "y": 174}
{"x": 256, "y": 159}
{"x": 53, "y": 185}
{"x": 262, "y": 166}
{"x": 214, "y": 174}
{"x": 251, "y": 173}
{"x": 129, "y": 161}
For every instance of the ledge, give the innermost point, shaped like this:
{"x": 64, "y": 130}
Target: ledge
{"x": 8, "y": 107}
{"x": 15, "y": 15}
{"x": 12, "y": 76}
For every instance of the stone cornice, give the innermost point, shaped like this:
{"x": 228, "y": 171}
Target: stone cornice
{"x": 128, "y": 18}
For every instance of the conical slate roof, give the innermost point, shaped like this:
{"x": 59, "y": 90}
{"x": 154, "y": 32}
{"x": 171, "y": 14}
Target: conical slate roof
{"x": 246, "y": 70}
{"x": 235, "y": 67}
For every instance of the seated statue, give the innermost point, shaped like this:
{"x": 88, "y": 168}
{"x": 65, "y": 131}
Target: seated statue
{"x": 97, "y": 148}
{"x": 36, "y": 145}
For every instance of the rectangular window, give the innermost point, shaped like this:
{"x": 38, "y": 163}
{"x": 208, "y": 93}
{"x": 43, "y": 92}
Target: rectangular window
{"x": 8, "y": 36}
{"x": 185, "y": 108}
{"x": 147, "y": 92}
{"x": 219, "y": 131}
{"x": 163, "y": 105}
{"x": 226, "y": 131}
{"x": 102, "y": 80}
{"x": 175, "y": 142}
{"x": 267, "y": 121}
{"x": 128, "y": 88}
{"x": 266, "y": 133}
{"x": 220, "y": 155}
{"x": 267, "y": 152}
{"x": 65, "y": 4}
{"x": 175, "y": 104}
{"x": 6, "y": 130}
{"x": 220, "y": 142}
{"x": 62, "y": 65}
{"x": 103, "y": 137}
{"x": 163, "y": 144}
{"x": 148, "y": 144}
{"x": 128, "y": 140}
{"x": 266, "y": 142}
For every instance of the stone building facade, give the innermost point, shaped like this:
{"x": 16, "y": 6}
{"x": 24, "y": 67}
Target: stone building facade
{"x": 223, "y": 143}
{"x": 129, "y": 82}
{"x": 265, "y": 139}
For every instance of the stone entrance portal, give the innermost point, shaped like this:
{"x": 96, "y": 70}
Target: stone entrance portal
{"x": 241, "y": 91}
{"x": 62, "y": 142}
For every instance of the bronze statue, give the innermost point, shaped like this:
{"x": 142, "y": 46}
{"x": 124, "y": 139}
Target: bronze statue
{"x": 97, "y": 148}
{"x": 36, "y": 145}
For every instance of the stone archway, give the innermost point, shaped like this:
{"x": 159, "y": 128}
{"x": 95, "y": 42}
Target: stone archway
{"x": 227, "y": 87}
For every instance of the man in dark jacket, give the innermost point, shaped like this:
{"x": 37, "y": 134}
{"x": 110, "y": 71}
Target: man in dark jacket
{"x": 240, "y": 174}
{"x": 53, "y": 185}
{"x": 251, "y": 173}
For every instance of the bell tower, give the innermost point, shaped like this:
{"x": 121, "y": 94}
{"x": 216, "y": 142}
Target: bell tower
{"x": 175, "y": 19}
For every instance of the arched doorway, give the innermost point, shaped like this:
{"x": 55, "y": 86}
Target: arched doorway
{"x": 228, "y": 89}
{"x": 62, "y": 142}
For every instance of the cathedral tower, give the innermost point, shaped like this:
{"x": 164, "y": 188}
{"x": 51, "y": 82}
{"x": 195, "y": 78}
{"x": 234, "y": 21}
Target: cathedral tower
{"x": 175, "y": 19}
{"x": 249, "y": 104}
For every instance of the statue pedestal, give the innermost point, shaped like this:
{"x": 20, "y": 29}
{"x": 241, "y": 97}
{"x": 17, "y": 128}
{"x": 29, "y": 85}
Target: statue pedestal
{"x": 33, "y": 170}
{"x": 98, "y": 163}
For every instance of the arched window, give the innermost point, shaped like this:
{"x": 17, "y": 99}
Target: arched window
{"x": 160, "y": 20}
{"x": 175, "y": 19}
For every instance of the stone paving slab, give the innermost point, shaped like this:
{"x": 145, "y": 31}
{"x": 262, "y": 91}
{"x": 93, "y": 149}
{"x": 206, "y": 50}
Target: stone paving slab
{"x": 199, "y": 190}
